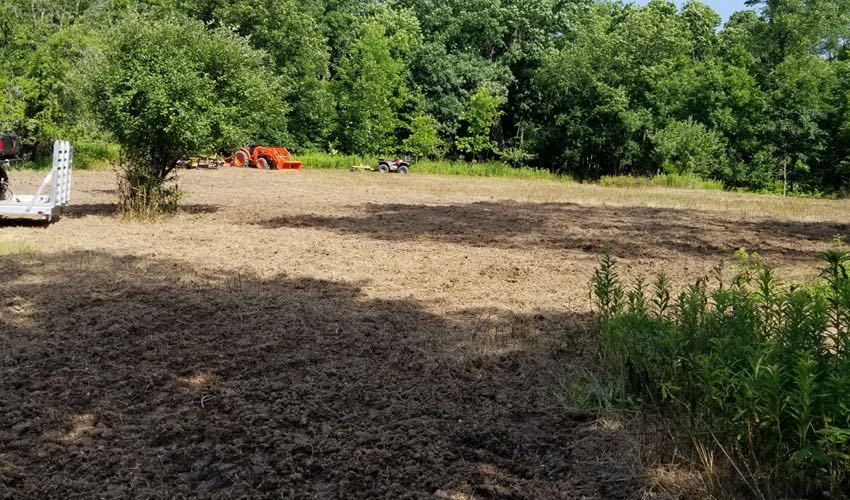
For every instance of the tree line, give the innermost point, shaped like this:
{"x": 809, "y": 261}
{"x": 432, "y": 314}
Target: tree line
{"x": 581, "y": 87}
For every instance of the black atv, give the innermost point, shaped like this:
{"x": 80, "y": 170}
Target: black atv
{"x": 399, "y": 165}
{"x": 10, "y": 149}
{"x": 10, "y": 146}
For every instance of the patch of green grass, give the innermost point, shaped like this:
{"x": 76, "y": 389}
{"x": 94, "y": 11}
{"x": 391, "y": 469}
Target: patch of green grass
{"x": 10, "y": 246}
{"x": 682, "y": 181}
{"x": 488, "y": 169}
{"x": 441, "y": 167}
{"x": 44, "y": 163}
{"x": 333, "y": 161}
{"x": 500, "y": 169}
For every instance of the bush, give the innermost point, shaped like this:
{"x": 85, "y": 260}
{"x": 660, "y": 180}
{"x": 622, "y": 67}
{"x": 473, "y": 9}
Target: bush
{"x": 684, "y": 147}
{"x": 167, "y": 88}
{"x": 423, "y": 141}
{"x": 761, "y": 367}
{"x": 91, "y": 151}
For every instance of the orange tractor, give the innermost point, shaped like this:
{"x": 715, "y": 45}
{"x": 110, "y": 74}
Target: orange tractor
{"x": 263, "y": 157}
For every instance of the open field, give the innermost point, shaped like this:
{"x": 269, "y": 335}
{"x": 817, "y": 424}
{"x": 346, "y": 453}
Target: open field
{"x": 333, "y": 335}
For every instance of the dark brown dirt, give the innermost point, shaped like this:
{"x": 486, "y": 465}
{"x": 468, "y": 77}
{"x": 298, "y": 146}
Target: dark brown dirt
{"x": 329, "y": 335}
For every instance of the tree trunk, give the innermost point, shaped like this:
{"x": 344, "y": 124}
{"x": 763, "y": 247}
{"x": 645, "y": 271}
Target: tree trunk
{"x": 785, "y": 176}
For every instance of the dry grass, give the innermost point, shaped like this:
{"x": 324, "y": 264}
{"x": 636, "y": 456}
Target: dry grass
{"x": 544, "y": 191}
{"x": 287, "y": 330}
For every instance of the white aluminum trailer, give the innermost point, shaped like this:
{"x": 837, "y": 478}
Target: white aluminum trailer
{"x": 45, "y": 205}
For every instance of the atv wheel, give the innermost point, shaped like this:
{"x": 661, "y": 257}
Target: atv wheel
{"x": 4, "y": 181}
{"x": 383, "y": 168}
{"x": 263, "y": 164}
{"x": 403, "y": 170}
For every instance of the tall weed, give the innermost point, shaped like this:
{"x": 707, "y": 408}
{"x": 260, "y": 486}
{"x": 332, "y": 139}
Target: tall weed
{"x": 759, "y": 364}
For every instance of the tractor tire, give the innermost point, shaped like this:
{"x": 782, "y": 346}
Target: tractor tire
{"x": 241, "y": 159}
{"x": 263, "y": 164}
{"x": 403, "y": 170}
{"x": 383, "y": 168}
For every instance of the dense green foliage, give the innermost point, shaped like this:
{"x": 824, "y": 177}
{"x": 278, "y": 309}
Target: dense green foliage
{"x": 166, "y": 87}
{"x": 590, "y": 88}
{"x": 748, "y": 363}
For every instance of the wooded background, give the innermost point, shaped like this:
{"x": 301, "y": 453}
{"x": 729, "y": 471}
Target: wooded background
{"x": 579, "y": 87}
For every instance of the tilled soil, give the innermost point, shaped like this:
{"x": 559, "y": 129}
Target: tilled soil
{"x": 336, "y": 335}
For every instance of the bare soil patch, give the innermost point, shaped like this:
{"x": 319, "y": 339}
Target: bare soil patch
{"x": 338, "y": 335}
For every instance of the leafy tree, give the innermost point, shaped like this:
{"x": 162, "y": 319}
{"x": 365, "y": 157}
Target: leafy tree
{"x": 290, "y": 33}
{"x": 836, "y": 170}
{"x": 423, "y": 140}
{"x": 797, "y": 27}
{"x": 701, "y": 23}
{"x": 466, "y": 46}
{"x": 447, "y": 80}
{"x": 470, "y": 26}
{"x": 41, "y": 99}
{"x": 480, "y": 119}
{"x": 688, "y": 147}
{"x": 798, "y": 112}
{"x": 371, "y": 89}
{"x": 169, "y": 87}
{"x": 585, "y": 122}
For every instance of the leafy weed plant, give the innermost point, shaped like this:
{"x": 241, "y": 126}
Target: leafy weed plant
{"x": 748, "y": 364}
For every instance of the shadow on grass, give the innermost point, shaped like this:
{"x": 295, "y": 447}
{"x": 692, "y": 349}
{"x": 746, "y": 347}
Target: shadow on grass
{"x": 122, "y": 376}
{"x": 76, "y": 211}
{"x": 102, "y": 209}
{"x": 22, "y": 222}
{"x": 633, "y": 231}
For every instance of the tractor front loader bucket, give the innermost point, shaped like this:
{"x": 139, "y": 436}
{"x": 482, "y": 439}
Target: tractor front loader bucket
{"x": 283, "y": 160}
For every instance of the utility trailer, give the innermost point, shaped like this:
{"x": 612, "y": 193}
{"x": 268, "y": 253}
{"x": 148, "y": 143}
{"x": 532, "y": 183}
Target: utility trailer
{"x": 53, "y": 193}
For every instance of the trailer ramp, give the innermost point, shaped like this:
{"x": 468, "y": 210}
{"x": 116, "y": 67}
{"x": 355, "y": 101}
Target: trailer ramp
{"x": 53, "y": 194}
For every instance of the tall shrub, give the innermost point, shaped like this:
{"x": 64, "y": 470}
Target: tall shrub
{"x": 166, "y": 88}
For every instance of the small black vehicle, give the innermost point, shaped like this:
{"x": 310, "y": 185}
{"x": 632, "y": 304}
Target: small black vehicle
{"x": 10, "y": 146}
{"x": 399, "y": 165}
{"x": 10, "y": 149}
